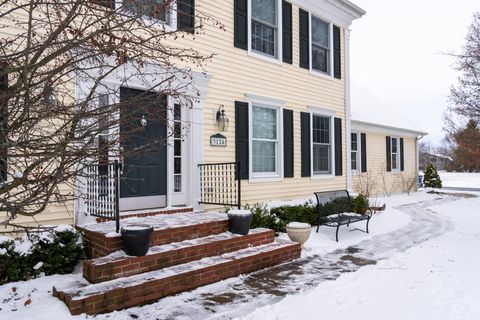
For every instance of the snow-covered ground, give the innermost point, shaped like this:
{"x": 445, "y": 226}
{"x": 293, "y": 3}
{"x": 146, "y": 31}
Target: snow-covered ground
{"x": 419, "y": 261}
{"x": 460, "y": 179}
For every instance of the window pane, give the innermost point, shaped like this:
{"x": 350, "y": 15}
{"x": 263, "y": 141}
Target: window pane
{"x": 264, "y": 10}
{"x": 321, "y": 129}
{"x": 320, "y": 32}
{"x": 394, "y": 145}
{"x": 264, "y": 123}
{"x": 177, "y": 144}
{"x": 394, "y": 161}
{"x": 153, "y": 8}
{"x": 264, "y": 156}
{"x": 354, "y": 161}
{"x": 177, "y": 165}
{"x": 263, "y": 38}
{"x": 320, "y": 59}
{"x": 354, "y": 142}
{"x": 321, "y": 158}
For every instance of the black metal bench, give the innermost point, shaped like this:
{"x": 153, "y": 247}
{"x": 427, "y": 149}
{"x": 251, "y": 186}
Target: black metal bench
{"x": 335, "y": 210}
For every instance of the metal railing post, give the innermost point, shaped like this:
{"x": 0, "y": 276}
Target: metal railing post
{"x": 117, "y": 196}
{"x": 239, "y": 184}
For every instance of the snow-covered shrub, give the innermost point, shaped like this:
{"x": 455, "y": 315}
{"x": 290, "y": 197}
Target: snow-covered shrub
{"x": 50, "y": 252}
{"x": 15, "y": 260}
{"x": 263, "y": 218}
{"x": 432, "y": 178}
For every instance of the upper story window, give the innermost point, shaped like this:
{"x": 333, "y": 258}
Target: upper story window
{"x": 265, "y": 141}
{"x": 395, "y": 154}
{"x": 321, "y": 145}
{"x": 354, "y": 149}
{"x": 156, "y": 9}
{"x": 264, "y": 27}
{"x": 321, "y": 53}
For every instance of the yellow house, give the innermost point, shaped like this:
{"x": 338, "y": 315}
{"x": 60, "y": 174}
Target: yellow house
{"x": 280, "y": 75}
{"x": 383, "y": 147}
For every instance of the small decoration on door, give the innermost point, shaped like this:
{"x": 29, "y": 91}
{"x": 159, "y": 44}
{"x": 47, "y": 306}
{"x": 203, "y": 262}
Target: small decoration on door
{"x": 143, "y": 122}
{"x": 218, "y": 140}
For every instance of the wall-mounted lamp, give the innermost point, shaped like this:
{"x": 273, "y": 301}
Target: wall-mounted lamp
{"x": 222, "y": 119}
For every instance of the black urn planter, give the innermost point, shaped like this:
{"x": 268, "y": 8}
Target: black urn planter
{"x": 239, "y": 221}
{"x": 136, "y": 239}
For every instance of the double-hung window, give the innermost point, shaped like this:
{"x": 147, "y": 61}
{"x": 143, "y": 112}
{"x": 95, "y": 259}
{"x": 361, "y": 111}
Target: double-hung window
{"x": 265, "y": 141}
{"x": 395, "y": 154}
{"x": 321, "y": 145}
{"x": 320, "y": 45}
{"x": 355, "y": 151}
{"x": 264, "y": 27}
{"x": 156, "y": 9}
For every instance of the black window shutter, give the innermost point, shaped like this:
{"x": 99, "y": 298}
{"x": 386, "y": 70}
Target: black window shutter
{"x": 287, "y": 32}
{"x": 305, "y": 143}
{"x": 288, "y": 143}
{"x": 363, "y": 148}
{"x": 338, "y": 146}
{"x": 337, "y": 53}
{"x": 402, "y": 159}
{"x": 3, "y": 123}
{"x": 304, "y": 40}
{"x": 389, "y": 154}
{"x": 240, "y": 24}
{"x": 241, "y": 137}
{"x": 186, "y": 15}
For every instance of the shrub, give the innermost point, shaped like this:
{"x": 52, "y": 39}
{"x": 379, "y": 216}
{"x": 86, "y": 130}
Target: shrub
{"x": 277, "y": 218}
{"x": 432, "y": 179}
{"x": 360, "y": 204}
{"x": 49, "y": 252}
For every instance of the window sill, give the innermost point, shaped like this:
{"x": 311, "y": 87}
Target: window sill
{"x": 321, "y": 75}
{"x": 264, "y": 57}
{"x": 273, "y": 178}
{"x": 325, "y": 176}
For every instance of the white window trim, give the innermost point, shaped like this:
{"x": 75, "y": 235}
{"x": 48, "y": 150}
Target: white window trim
{"x": 330, "y": 175}
{"x": 358, "y": 151}
{"x": 279, "y": 46}
{"x": 397, "y": 154}
{"x": 268, "y": 177}
{"x": 169, "y": 26}
{"x": 315, "y": 72}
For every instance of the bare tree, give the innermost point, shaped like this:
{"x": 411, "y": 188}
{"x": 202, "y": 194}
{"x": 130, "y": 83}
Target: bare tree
{"x": 55, "y": 58}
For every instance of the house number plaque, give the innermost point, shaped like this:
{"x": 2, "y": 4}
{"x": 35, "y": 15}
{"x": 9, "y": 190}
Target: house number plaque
{"x": 218, "y": 140}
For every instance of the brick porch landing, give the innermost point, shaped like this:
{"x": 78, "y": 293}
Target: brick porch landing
{"x": 188, "y": 250}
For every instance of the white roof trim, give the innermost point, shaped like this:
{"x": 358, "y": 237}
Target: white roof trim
{"x": 380, "y": 128}
{"x": 339, "y": 12}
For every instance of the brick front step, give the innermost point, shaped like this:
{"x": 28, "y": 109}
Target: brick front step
{"x": 102, "y": 240}
{"x": 149, "y": 287}
{"x": 148, "y": 213}
{"x": 118, "y": 264}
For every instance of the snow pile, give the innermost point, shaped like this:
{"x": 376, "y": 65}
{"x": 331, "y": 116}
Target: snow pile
{"x": 298, "y": 225}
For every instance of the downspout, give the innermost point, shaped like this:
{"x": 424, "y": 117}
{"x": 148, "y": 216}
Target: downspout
{"x": 348, "y": 108}
{"x": 417, "y": 152}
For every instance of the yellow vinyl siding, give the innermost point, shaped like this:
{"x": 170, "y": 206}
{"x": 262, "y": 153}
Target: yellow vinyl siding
{"x": 385, "y": 182}
{"x": 235, "y": 73}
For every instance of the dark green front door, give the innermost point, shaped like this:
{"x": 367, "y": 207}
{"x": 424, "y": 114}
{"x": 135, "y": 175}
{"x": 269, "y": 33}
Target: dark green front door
{"x": 143, "y": 138}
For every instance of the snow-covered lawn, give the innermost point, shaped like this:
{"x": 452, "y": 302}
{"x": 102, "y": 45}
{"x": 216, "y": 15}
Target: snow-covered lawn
{"x": 425, "y": 247}
{"x": 460, "y": 179}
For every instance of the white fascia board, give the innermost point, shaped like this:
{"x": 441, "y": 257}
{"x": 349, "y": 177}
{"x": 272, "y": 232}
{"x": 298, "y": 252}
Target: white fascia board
{"x": 339, "y": 12}
{"x": 379, "y": 128}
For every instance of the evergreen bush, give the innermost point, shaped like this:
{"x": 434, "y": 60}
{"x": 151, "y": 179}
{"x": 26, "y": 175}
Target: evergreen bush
{"x": 432, "y": 178}
{"x": 49, "y": 252}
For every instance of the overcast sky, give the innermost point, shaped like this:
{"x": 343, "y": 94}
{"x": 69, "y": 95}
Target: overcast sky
{"x": 398, "y": 53}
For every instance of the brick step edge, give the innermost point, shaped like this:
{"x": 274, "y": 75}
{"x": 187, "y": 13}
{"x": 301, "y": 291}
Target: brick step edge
{"x": 151, "y": 286}
{"x": 100, "y": 244}
{"x": 118, "y": 264}
{"x": 148, "y": 213}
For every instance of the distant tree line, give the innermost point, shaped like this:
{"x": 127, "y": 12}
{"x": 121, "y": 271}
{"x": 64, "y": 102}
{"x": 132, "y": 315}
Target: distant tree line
{"x": 462, "y": 142}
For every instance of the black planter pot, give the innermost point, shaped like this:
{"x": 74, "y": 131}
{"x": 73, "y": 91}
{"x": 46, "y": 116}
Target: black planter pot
{"x": 136, "y": 239}
{"x": 239, "y": 223}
